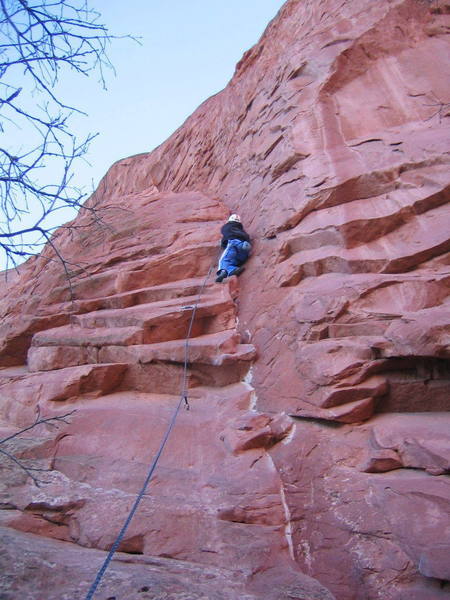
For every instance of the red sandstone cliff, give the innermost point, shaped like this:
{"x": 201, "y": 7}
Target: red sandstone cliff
{"x": 316, "y": 451}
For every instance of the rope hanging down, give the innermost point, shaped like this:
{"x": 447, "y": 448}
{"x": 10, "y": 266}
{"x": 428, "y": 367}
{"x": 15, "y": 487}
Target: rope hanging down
{"x": 183, "y": 398}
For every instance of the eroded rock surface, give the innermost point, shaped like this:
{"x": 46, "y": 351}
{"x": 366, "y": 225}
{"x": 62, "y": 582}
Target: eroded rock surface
{"x": 317, "y": 441}
{"x": 66, "y": 572}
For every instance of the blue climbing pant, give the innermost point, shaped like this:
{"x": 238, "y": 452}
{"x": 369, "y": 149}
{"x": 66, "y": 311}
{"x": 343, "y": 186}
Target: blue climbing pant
{"x": 234, "y": 256}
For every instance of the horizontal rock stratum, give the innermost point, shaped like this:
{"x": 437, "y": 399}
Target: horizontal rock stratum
{"x": 313, "y": 462}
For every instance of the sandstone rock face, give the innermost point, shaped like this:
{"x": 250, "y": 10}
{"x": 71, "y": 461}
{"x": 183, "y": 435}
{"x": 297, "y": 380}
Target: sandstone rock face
{"x": 65, "y": 568}
{"x": 314, "y": 459}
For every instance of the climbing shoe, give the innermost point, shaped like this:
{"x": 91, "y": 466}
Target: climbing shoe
{"x": 239, "y": 271}
{"x": 221, "y": 275}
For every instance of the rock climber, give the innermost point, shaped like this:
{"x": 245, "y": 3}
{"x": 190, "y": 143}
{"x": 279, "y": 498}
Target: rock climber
{"x": 236, "y": 244}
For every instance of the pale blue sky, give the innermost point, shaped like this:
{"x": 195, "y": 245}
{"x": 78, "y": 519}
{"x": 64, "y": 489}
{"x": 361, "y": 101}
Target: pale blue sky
{"x": 188, "y": 52}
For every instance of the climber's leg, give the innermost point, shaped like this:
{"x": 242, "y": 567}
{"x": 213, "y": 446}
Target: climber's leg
{"x": 228, "y": 261}
{"x": 233, "y": 257}
{"x": 243, "y": 252}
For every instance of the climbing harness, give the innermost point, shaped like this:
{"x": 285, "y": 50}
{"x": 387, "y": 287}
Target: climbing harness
{"x": 183, "y": 398}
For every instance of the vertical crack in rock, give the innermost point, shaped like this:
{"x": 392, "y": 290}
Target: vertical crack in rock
{"x": 288, "y": 526}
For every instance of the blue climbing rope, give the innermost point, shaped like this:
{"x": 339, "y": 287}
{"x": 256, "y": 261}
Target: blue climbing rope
{"x": 183, "y": 398}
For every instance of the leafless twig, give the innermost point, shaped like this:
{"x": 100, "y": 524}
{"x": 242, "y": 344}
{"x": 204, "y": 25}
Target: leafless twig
{"x": 52, "y": 422}
{"x": 40, "y": 40}
{"x": 442, "y": 110}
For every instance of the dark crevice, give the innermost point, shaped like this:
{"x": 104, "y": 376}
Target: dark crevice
{"x": 416, "y": 384}
{"x": 320, "y": 421}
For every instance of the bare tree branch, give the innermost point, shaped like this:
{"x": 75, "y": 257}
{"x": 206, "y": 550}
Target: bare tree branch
{"x": 52, "y": 422}
{"x": 28, "y": 470}
{"x": 40, "y": 40}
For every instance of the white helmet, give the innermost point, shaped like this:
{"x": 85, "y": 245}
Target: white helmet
{"x": 235, "y": 217}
